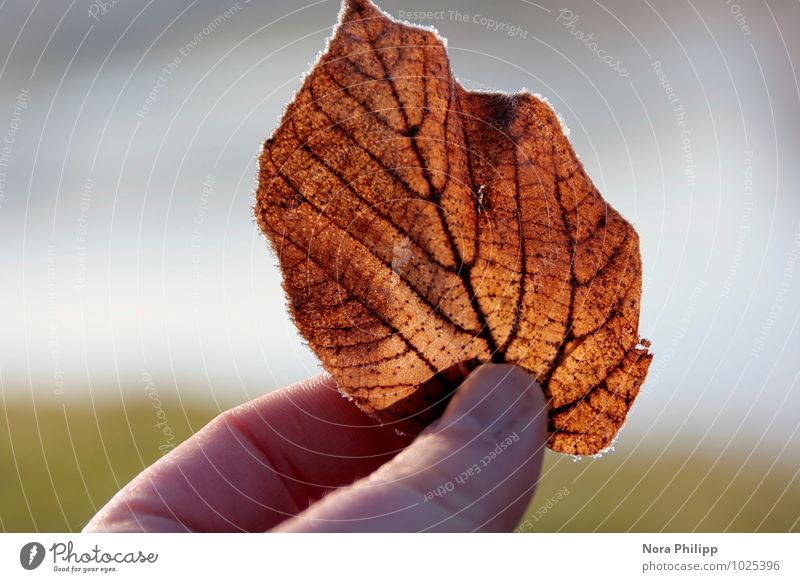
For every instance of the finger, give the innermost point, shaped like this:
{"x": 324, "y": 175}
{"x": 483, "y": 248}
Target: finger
{"x": 255, "y": 465}
{"x": 473, "y": 470}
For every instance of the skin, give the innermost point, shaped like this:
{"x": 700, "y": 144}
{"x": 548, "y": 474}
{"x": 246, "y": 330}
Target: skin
{"x": 305, "y": 459}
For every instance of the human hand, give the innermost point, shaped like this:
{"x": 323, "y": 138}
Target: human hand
{"x": 305, "y": 459}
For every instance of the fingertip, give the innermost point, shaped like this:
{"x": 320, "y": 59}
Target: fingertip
{"x": 475, "y": 469}
{"x": 497, "y": 398}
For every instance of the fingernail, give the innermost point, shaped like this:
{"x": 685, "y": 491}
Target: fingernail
{"x": 496, "y": 398}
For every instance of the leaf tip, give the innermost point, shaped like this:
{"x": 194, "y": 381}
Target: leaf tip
{"x": 349, "y": 7}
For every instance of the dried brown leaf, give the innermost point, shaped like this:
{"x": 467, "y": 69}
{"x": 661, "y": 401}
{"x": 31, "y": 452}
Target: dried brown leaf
{"x": 423, "y": 229}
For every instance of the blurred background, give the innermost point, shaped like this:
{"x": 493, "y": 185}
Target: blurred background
{"x": 139, "y": 300}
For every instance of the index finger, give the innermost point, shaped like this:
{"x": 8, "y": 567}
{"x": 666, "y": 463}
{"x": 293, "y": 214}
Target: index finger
{"x": 255, "y": 465}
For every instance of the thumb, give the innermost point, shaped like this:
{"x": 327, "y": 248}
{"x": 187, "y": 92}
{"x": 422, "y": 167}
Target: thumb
{"x": 475, "y": 469}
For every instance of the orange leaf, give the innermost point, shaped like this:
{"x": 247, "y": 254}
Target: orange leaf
{"x": 423, "y": 229}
